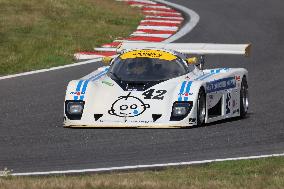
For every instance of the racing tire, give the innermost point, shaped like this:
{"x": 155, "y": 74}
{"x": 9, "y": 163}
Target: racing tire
{"x": 244, "y": 98}
{"x": 201, "y": 108}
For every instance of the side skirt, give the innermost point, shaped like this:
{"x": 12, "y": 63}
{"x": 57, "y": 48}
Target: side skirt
{"x": 230, "y": 106}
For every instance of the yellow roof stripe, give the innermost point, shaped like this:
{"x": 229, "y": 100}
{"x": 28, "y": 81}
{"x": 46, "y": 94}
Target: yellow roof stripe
{"x": 148, "y": 54}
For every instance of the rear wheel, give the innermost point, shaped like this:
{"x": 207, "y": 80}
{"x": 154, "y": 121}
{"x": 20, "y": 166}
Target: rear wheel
{"x": 244, "y": 101}
{"x": 201, "y": 108}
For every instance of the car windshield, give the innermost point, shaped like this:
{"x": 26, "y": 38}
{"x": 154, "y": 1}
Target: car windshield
{"x": 146, "y": 69}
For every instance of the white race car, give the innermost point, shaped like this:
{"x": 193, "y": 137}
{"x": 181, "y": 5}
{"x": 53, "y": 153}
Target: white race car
{"x": 155, "y": 85}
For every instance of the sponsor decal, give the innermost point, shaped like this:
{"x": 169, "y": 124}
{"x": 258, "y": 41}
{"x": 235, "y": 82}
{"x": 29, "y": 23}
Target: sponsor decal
{"x": 184, "y": 91}
{"x": 238, "y": 78}
{"x": 221, "y": 84}
{"x": 141, "y": 121}
{"x": 129, "y": 121}
{"x": 128, "y": 106}
{"x": 157, "y": 54}
{"x": 107, "y": 83}
{"x": 78, "y": 93}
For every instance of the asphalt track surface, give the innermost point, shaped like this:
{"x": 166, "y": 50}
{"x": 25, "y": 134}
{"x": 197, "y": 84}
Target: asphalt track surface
{"x": 32, "y": 137}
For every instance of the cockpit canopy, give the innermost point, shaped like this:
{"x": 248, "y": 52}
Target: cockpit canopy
{"x": 148, "y": 65}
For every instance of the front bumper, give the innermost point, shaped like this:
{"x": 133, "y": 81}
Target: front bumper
{"x": 172, "y": 124}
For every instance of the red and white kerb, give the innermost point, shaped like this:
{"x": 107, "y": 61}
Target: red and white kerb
{"x": 160, "y": 23}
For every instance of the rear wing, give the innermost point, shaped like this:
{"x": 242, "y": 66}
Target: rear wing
{"x": 191, "y": 48}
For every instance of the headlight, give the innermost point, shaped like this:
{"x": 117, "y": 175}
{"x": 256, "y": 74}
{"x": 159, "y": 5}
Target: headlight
{"x": 180, "y": 110}
{"x": 74, "y": 109}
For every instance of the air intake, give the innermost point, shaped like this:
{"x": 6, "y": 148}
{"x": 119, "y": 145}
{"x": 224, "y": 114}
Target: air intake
{"x": 97, "y": 116}
{"x": 135, "y": 86}
{"x": 156, "y": 116}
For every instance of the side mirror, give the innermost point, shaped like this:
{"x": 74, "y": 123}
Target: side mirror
{"x": 106, "y": 60}
{"x": 192, "y": 60}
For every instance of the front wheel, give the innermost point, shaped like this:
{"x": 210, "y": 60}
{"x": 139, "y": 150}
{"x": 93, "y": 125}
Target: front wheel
{"x": 201, "y": 108}
{"x": 244, "y": 101}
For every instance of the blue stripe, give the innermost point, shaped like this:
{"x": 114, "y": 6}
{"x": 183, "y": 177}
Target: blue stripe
{"x": 78, "y": 88}
{"x": 79, "y": 85}
{"x": 86, "y": 82}
{"x": 218, "y": 71}
{"x": 182, "y": 87}
{"x": 85, "y": 86}
{"x": 212, "y": 72}
{"x": 207, "y": 76}
{"x": 200, "y": 77}
{"x": 181, "y": 91}
{"x": 188, "y": 86}
{"x": 84, "y": 90}
{"x": 99, "y": 76}
{"x": 187, "y": 90}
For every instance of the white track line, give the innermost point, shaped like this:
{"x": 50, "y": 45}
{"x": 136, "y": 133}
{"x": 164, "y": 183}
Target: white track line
{"x": 135, "y": 167}
{"x": 51, "y": 69}
{"x": 194, "y": 18}
{"x": 88, "y": 56}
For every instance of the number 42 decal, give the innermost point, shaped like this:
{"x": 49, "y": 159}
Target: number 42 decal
{"x": 154, "y": 94}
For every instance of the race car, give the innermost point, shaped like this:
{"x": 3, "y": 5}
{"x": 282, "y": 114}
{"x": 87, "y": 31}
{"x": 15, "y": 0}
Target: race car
{"x": 159, "y": 85}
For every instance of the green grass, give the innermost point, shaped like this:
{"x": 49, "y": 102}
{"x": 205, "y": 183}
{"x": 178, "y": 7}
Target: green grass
{"x": 265, "y": 173}
{"x": 41, "y": 34}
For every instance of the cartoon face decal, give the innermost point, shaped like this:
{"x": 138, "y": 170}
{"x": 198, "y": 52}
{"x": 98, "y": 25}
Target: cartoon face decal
{"x": 128, "y": 106}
